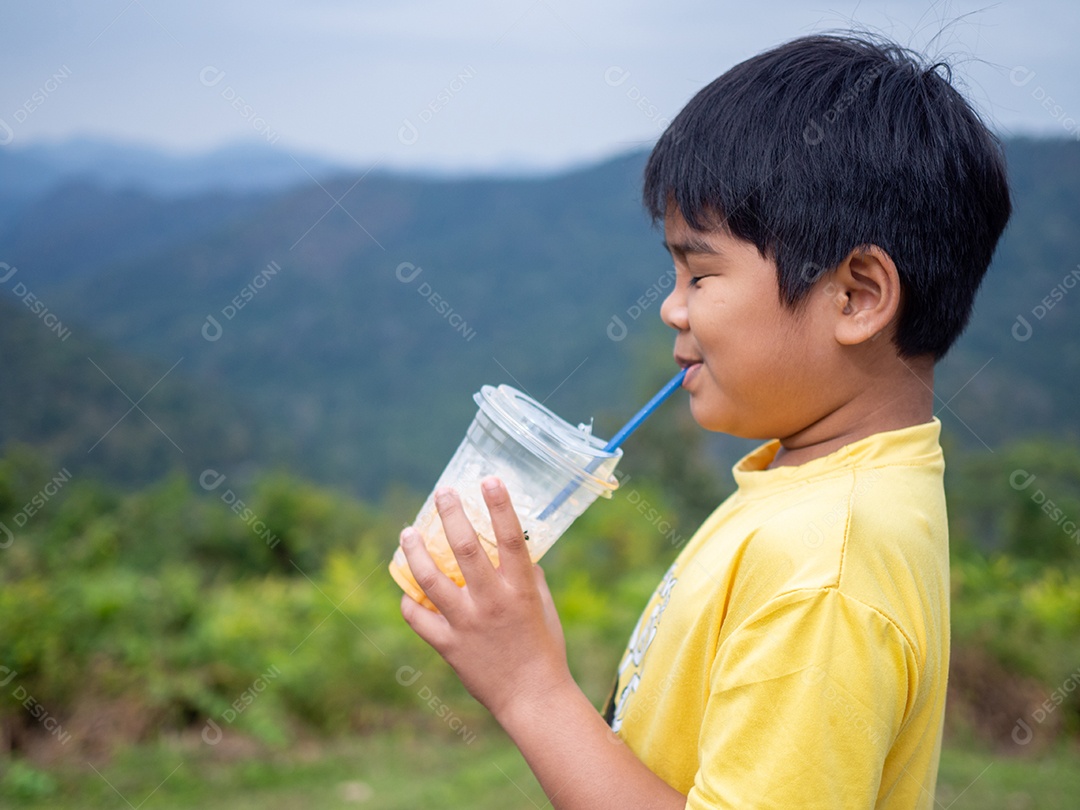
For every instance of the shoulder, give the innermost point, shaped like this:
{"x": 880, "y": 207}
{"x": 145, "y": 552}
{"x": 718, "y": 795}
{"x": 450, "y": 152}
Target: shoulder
{"x": 825, "y": 529}
{"x": 875, "y": 533}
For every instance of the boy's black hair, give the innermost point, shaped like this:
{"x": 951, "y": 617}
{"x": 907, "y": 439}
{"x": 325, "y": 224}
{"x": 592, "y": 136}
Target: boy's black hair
{"x": 828, "y": 143}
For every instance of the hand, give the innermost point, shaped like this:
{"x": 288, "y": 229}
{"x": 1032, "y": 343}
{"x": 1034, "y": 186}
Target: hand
{"x": 502, "y": 636}
{"x": 500, "y": 632}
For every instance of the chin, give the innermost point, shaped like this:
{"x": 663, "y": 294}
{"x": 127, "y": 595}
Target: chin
{"x": 713, "y": 418}
{"x": 719, "y": 419}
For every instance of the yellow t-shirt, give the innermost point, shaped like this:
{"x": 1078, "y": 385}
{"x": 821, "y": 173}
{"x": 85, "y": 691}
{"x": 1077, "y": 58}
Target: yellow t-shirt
{"x": 797, "y": 651}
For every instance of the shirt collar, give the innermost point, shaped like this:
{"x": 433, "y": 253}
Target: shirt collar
{"x": 914, "y": 444}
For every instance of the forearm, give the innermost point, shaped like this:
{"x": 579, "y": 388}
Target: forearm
{"x": 579, "y": 762}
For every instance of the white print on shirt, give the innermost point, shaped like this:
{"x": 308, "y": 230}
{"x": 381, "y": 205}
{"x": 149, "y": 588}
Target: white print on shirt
{"x": 640, "y": 641}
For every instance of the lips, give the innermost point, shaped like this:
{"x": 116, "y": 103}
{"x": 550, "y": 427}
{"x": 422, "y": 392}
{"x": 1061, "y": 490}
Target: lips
{"x": 692, "y": 366}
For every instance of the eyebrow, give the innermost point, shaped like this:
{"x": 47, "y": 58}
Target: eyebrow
{"x": 691, "y": 244}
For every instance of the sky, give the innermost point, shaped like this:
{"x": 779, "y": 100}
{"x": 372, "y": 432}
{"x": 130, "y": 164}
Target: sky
{"x": 486, "y": 85}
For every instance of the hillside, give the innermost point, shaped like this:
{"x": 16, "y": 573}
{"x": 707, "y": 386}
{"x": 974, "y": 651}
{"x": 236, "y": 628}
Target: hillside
{"x": 73, "y": 397}
{"x": 77, "y": 228}
{"x": 360, "y": 329}
{"x": 31, "y": 170}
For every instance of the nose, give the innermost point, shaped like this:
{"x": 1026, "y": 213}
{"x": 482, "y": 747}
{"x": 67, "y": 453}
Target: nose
{"x": 673, "y": 311}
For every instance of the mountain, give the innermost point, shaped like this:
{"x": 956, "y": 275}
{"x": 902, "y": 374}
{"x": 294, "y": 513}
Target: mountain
{"x": 32, "y": 172}
{"x": 1015, "y": 371}
{"x": 357, "y": 317}
{"x": 96, "y": 411}
{"x": 78, "y": 228}
{"x": 410, "y": 292}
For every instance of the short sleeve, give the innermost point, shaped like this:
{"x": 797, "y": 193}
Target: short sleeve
{"x": 805, "y": 701}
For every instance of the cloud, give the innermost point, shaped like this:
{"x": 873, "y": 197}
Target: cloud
{"x": 342, "y": 79}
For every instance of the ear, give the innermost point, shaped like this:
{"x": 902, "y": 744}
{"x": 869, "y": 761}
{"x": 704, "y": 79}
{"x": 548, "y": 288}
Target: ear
{"x": 865, "y": 289}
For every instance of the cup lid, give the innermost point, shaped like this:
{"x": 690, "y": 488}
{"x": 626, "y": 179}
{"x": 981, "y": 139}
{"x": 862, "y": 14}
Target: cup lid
{"x": 574, "y": 449}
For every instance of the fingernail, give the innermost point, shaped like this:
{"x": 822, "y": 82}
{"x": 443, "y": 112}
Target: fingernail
{"x": 490, "y": 484}
{"x": 443, "y": 494}
{"x": 408, "y": 536}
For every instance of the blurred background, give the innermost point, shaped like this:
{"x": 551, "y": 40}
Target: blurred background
{"x": 256, "y": 258}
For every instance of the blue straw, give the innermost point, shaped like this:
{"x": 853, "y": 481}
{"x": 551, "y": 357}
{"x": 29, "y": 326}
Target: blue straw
{"x": 617, "y": 440}
{"x": 645, "y": 412}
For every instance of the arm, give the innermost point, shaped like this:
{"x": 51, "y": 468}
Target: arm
{"x": 502, "y": 636}
{"x": 806, "y": 700}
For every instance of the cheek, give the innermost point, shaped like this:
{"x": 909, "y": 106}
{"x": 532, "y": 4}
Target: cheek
{"x": 711, "y": 318}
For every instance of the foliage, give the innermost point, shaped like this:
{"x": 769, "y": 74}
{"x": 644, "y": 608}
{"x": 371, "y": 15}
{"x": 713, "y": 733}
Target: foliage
{"x": 1024, "y": 500}
{"x": 1026, "y": 617}
{"x": 169, "y": 602}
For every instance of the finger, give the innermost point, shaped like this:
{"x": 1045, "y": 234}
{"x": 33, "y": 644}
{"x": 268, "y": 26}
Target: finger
{"x": 538, "y": 573}
{"x": 475, "y": 566}
{"x": 432, "y": 627}
{"x": 551, "y": 613}
{"x": 546, "y": 599}
{"x": 440, "y": 589}
{"x": 514, "y": 557}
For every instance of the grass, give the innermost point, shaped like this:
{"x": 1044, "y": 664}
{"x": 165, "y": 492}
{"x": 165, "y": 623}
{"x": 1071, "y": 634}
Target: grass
{"x": 976, "y": 779}
{"x": 401, "y": 768}
{"x": 409, "y": 768}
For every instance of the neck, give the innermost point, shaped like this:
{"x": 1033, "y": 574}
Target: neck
{"x": 900, "y": 398}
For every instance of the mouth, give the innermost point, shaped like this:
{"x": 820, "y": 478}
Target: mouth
{"x": 692, "y": 366}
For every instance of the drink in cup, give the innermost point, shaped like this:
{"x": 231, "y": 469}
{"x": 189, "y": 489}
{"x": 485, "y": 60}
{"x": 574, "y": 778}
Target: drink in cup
{"x": 552, "y": 470}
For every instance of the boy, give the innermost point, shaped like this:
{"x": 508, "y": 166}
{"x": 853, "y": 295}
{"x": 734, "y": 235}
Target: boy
{"x": 831, "y": 207}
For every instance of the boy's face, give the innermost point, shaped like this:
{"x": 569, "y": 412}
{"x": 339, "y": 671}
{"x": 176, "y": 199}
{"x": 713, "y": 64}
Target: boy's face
{"x": 756, "y": 368}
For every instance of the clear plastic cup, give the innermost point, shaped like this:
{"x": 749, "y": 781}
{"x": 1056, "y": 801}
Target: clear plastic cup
{"x": 552, "y": 470}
